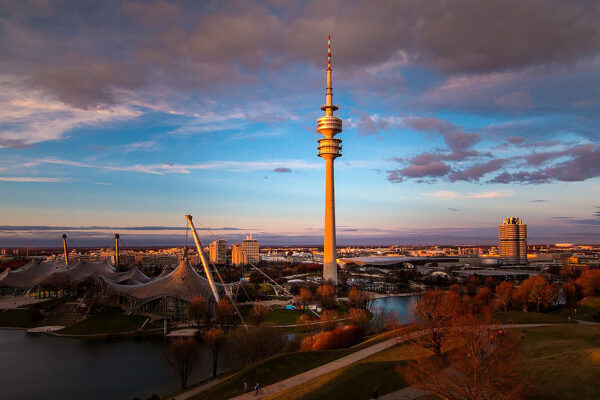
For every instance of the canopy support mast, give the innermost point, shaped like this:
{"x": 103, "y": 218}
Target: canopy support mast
{"x": 209, "y": 276}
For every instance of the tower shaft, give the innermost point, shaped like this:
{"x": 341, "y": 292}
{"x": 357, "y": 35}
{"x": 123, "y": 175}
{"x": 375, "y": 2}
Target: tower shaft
{"x": 329, "y": 244}
{"x": 329, "y": 149}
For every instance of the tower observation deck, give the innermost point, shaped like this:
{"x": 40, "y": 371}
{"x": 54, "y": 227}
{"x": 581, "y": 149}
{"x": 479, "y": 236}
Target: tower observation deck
{"x": 329, "y": 149}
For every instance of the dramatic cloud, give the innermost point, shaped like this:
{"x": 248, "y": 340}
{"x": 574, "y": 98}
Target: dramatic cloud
{"x": 200, "y": 45}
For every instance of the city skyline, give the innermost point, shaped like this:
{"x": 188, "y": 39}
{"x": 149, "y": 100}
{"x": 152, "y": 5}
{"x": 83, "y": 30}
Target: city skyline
{"x": 211, "y": 111}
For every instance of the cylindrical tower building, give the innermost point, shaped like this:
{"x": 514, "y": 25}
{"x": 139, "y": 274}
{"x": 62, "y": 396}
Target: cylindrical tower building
{"x": 513, "y": 241}
{"x": 329, "y": 149}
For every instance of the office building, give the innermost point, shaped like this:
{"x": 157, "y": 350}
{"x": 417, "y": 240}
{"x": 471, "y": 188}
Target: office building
{"x": 513, "y": 241}
{"x": 218, "y": 251}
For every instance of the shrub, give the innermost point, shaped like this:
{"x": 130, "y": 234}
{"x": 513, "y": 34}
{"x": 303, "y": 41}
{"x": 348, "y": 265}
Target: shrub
{"x": 339, "y": 338}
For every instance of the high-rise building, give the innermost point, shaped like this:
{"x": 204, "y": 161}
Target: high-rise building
{"x": 513, "y": 241}
{"x": 218, "y": 251}
{"x": 329, "y": 149}
{"x": 238, "y": 255}
{"x": 251, "y": 248}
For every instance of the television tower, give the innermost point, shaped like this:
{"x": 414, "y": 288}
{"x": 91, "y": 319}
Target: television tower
{"x": 329, "y": 149}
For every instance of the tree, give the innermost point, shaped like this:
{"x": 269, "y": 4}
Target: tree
{"x": 589, "y": 281}
{"x": 328, "y": 320}
{"x": 259, "y": 314}
{"x": 198, "y": 309}
{"x": 305, "y": 297}
{"x": 256, "y": 343}
{"x": 182, "y": 356}
{"x": 359, "y": 298}
{"x": 483, "y": 366}
{"x": 435, "y": 311}
{"x": 535, "y": 290}
{"x": 326, "y": 296}
{"x": 360, "y": 318}
{"x": 224, "y": 313}
{"x": 503, "y": 296}
{"x": 472, "y": 284}
{"x": 214, "y": 337}
{"x": 542, "y": 293}
{"x": 483, "y": 297}
{"x": 491, "y": 283}
{"x": 572, "y": 292}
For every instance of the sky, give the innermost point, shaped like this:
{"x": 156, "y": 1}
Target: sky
{"x": 126, "y": 115}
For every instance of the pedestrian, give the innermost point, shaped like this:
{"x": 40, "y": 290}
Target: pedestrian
{"x": 245, "y": 387}
{"x": 257, "y": 388}
{"x": 376, "y": 393}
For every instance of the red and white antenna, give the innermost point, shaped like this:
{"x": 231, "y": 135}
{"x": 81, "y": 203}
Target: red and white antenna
{"x": 328, "y": 52}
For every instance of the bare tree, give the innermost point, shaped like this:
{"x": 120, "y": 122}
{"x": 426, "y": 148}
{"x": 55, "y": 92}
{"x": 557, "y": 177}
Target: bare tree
{"x": 224, "y": 313}
{"x": 358, "y": 298}
{"x": 256, "y": 343}
{"x": 259, "y": 314}
{"x": 326, "y": 295}
{"x": 504, "y": 292}
{"x": 198, "y": 309}
{"x": 214, "y": 337}
{"x": 435, "y": 310}
{"x": 484, "y": 365}
{"x": 182, "y": 356}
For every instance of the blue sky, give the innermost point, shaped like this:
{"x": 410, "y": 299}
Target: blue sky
{"x": 131, "y": 114}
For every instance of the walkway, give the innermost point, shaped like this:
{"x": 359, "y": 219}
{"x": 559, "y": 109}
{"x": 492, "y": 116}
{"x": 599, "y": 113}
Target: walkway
{"x": 330, "y": 367}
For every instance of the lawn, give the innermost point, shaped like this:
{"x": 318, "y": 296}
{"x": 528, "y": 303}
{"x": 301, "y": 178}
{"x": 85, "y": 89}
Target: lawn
{"x": 520, "y": 317}
{"x": 283, "y": 366}
{"x": 15, "y": 318}
{"x": 269, "y": 371}
{"x": 562, "y": 362}
{"x": 585, "y": 309}
{"x": 281, "y": 316}
{"x": 357, "y": 381}
{"x": 110, "y": 320}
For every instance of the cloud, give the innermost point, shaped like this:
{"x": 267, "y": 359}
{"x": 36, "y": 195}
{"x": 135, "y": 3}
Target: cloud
{"x": 583, "y": 163}
{"x": 424, "y": 165}
{"x": 475, "y": 172}
{"x": 538, "y": 201}
{"x": 282, "y": 170}
{"x": 458, "y": 141}
{"x": 171, "y": 168}
{"x": 519, "y": 99}
{"x": 29, "y": 117}
{"x": 451, "y": 195}
{"x": 88, "y": 56}
{"x": 34, "y": 179}
{"x": 453, "y": 209}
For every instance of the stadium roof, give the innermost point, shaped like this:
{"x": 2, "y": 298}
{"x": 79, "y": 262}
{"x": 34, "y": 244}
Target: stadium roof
{"x": 182, "y": 283}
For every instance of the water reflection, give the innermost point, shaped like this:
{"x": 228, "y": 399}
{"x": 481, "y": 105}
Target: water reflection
{"x": 40, "y": 366}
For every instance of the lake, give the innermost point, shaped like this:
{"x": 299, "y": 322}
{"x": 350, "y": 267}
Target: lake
{"x": 399, "y": 305}
{"x": 38, "y": 366}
